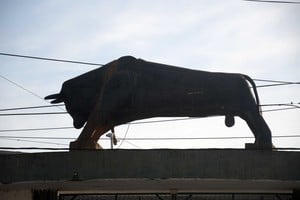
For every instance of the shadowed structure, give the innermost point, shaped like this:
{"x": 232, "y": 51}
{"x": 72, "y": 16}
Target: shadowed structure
{"x": 131, "y": 89}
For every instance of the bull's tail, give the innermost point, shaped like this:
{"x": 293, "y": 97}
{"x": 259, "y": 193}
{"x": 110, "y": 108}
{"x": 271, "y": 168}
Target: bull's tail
{"x": 252, "y": 83}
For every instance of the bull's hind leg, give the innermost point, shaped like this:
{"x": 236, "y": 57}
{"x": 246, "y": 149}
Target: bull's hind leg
{"x": 260, "y": 129}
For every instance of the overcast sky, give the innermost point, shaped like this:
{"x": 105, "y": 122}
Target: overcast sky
{"x": 258, "y": 39}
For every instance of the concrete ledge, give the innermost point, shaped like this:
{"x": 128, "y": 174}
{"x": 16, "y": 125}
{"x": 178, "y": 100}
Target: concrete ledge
{"x": 144, "y": 170}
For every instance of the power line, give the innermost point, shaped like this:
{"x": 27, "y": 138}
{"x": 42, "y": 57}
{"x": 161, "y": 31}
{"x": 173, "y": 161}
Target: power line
{"x": 273, "y": 81}
{"x": 67, "y": 149}
{"x": 39, "y": 113}
{"x": 145, "y": 122}
{"x": 27, "y": 90}
{"x": 48, "y": 106}
{"x": 33, "y": 141}
{"x": 98, "y": 64}
{"x": 30, "y": 107}
{"x": 280, "y": 109}
{"x": 282, "y": 104}
{"x": 278, "y": 84}
{"x": 34, "y": 148}
{"x": 261, "y": 1}
{"x": 130, "y": 123}
{"x": 21, "y": 87}
{"x": 36, "y": 129}
{"x": 144, "y": 139}
{"x": 128, "y": 126}
{"x": 51, "y": 59}
{"x": 40, "y": 138}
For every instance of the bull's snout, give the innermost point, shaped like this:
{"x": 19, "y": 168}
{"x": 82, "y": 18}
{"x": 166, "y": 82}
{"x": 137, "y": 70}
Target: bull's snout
{"x": 78, "y": 123}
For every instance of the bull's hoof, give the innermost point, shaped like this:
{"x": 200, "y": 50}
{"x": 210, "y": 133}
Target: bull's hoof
{"x": 261, "y": 146}
{"x": 84, "y": 145}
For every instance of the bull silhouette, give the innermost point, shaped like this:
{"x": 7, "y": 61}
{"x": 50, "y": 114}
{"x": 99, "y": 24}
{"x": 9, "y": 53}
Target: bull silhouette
{"x": 131, "y": 89}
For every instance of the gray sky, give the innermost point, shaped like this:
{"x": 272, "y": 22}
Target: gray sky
{"x": 258, "y": 39}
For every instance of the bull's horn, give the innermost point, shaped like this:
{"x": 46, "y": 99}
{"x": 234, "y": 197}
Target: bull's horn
{"x": 57, "y": 98}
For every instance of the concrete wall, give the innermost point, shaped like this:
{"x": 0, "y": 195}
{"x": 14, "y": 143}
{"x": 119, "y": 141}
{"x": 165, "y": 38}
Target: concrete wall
{"x": 144, "y": 170}
{"x": 15, "y": 194}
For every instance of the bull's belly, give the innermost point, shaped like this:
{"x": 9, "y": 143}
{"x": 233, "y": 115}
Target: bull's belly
{"x": 184, "y": 104}
{"x": 182, "y": 93}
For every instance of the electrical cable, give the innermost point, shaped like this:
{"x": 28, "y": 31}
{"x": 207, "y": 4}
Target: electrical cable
{"x": 48, "y": 106}
{"x": 277, "y": 84}
{"x": 128, "y": 126}
{"x": 271, "y": 81}
{"x": 264, "y": 1}
{"x": 34, "y": 148}
{"x": 98, "y": 64}
{"x": 44, "y": 113}
{"x": 23, "y": 88}
{"x": 280, "y": 109}
{"x": 131, "y": 144}
{"x": 138, "y": 122}
{"x": 151, "y": 139}
{"x": 144, "y": 122}
{"x": 30, "y": 107}
{"x": 36, "y": 129}
{"x": 281, "y": 104}
{"x": 51, "y": 59}
{"x": 32, "y": 141}
{"x": 19, "y": 86}
{"x": 101, "y": 150}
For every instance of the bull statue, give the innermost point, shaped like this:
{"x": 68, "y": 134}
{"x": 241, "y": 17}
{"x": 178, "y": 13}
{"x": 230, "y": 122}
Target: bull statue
{"x": 131, "y": 89}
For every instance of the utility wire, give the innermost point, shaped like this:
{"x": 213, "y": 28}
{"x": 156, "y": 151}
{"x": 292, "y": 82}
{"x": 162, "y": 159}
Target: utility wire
{"x": 30, "y": 107}
{"x": 67, "y": 149}
{"x": 36, "y": 129}
{"x": 37, "y": 107}
{"x": 23, "y": 88}
{"x": 33, "y": 141}
{"x": 127, "y": 129}
{"x": 151, "y": 138}
{"x": 282, "y": 104}
{"x": 144, "y": 122}
{"x": 134, "y": 123}
{"x": 279, "y": 109}
{"x": 39, "y": 113}
{"x": 261, "y": 1}
{"x": 34, "y": 148}
{"x": 51, "y": 59}
{"x": 277, "y": 84}
{"x": 98, "y": 64}
{"x": 130, "y": 144}
{"x": 275, "y": 81}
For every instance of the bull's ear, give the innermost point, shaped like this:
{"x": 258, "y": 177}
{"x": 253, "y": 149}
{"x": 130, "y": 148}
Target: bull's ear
{"x": 57, "y": 98}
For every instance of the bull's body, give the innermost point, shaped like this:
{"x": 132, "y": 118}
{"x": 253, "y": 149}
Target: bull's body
{"x": 130, "y": 89}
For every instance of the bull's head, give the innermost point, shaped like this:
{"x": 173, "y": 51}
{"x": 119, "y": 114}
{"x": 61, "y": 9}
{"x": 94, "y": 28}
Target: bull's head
{"x": 77, "y": 106}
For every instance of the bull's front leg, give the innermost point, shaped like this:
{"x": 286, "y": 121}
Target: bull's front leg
{"x": 88, "y": 138}
{"x": 85, "y": 139}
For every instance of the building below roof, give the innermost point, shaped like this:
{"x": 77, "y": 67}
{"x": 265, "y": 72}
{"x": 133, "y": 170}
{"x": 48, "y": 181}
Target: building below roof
{"x": 144, "y": 173}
